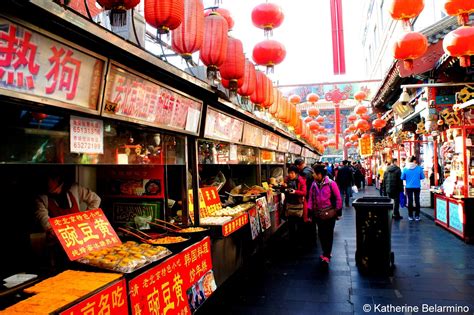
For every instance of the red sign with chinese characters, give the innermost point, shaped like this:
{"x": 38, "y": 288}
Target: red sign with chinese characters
{"x": 112, "y": 300}
{"x": 232, "y": 226}
{"x": 83, "y": 232}
{"x": 162, "y": 289}
{"x": 211, "y": 199}
{"x": 37, "y": 65}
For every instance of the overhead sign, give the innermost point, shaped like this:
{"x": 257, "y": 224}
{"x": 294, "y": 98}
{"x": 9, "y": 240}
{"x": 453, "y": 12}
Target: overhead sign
{"x": 223, "y": 127}
{"x": 44, "y": 68}
{"x": 83, "y": 232}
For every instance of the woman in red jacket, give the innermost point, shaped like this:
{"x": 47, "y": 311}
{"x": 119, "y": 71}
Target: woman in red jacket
{"x": 296, "y": 208}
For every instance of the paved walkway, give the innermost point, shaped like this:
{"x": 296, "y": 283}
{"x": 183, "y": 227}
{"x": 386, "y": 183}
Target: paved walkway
{"x": 433, "y": 268}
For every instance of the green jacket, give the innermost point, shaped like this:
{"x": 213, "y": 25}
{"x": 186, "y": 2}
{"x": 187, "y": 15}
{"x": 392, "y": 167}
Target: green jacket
{"x": 392, "y": 180}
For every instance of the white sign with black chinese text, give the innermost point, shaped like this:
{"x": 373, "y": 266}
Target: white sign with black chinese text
{"x": 87, "y": 135}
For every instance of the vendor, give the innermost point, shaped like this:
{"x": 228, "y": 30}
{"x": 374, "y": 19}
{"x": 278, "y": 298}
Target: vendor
{"x": 62, "y": 198}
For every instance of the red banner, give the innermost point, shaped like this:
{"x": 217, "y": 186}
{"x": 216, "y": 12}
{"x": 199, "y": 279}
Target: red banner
{"x": 211, "y": 199}
{"x": 232, "y": 226}
{"x": 84, "y": 232}
{"x": 162, "y": 289}
{"x": 112, "y": 300}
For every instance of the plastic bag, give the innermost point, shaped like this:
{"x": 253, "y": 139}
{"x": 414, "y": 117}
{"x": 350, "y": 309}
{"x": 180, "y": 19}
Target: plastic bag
{"x": 403, "y": 200}
{"x": 354, "y": 189}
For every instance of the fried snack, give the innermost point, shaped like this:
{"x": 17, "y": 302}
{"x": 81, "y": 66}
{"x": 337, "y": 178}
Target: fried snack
{"x": 168, "y": 240}
{"x": 192, "y": 229}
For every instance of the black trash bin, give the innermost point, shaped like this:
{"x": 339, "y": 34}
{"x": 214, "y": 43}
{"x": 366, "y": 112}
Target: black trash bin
{"x": 374, "y": 234}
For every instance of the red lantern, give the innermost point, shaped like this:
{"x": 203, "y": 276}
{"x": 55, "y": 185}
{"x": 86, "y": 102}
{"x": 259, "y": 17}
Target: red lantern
{"x": 118, "y": 14}
{"x": 249, "y": 81}
{"x": 39, "y": 116}
{"x": 267, "y": 16}
{"x": 347, "y": 138}
{"x": 320, "y": 119}
{"x": 347, "y": 130}
{"x": 409, "y": 46}
{"x": 269, "y": 53}
{"x": 260, "y": 94}
{"x": 379, "y": 123}
{"x": 283, "y": 110}
{"x": 229, "y": 85}
{"x": 354, "y": 137}
{"x": 308, "y": 119}
{"x": 313, "y": 125}
{"x": 164, "y": 15}
{"x": 360, "y": 109}
{"x": 269, "y": 98}
{"x": 331, "y": 142}
{"x": 187, "y": 38}
{"x": 365, "y": 116}
{"x": 299, "y": 125}
{"x": 294, "y": 99}
{"x": 234, "y": 65}
{"x": 322, "y": 129}
{"x": 461, "y": 8}
{"x": 360, "y": 96}
{"x": 365, "y": 136}
{"x": 225, "y": 13}
{"x": 313, "y": 111}
{"x": 276, "y": 101}
{"x": 321, "y": 138}
{"x": 362, "y": 124}
{"x": 348, "y": 145}
{"x": 405, "y": 9}
{"x": 352, "y": 118}
{"x": 312, "y": 97}
{"x": 352, "y": 128}
{"x": 460, "y": 43}
{"x": 214, "y": 45}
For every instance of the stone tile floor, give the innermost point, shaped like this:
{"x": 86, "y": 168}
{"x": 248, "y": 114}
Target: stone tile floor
{"x": 433, "y": 268}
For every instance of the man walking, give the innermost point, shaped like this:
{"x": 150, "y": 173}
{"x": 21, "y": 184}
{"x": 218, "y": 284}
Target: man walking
{"x": 412, "y": 175}
{"x": 345, "y": 180}
{"x": 393, "y": 186}
{"x": 306, "y": 172}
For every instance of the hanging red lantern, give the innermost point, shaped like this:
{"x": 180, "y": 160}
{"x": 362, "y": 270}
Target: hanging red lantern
{"x": 313, "y": 112}
{"x": 284, "y": 110}
{"x": 354, "y": 137}
{"x": 379, "y": 123}
{"x": 362, "y": 124}
{"x": 227, "y": 83}
{"x": 331, "y": 142}
{"x": 347, "y": 130}
{"x": 460, "y": 43}
{"x": 360, "y": 109}
{"x": 39, "y": 116}
{"x": 260, "y": 94}
{"x": 269, "y": 98}
{"x": 321, "y": 138}
{"x": 294, "y": 99}
{"x": 405, "y": 10}
{"x": 365, "y": 116}
{"x": 320, "y": 119}
{"x": 214, "y": 45}
{"x": 269, "y": 53}
{"x": 352, "y": 128}
{"x": 308, "y": 119}
{"x": 360, "y": 96}
{"x": 299, "y": 125}
{"x": 118, "y": 8}
{"x": 225, "y": 13}
{"x": 267, "y": 16}
{"x": 187, "y": 38}
{"x": 461, "y": 8}
{"x": 234, "y": 65}
{"x": 322, "y": 129}
{"x": 409, "y": 46}
{"x": 351, "y": 118}
{"x": 249, "y": 81}
{"x": 313, "y": 126}
{"x": 276, "y": 101}
{"x": 348, "y": 145}
{"x": 366, "y": 136}
{"x": 312, "y": 97}
{"x": 164, "y": 15}
{"x": 347, "y": 138}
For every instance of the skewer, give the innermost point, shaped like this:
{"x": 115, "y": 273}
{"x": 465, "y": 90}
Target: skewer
{"x": 162, "y": 226}
{"x": 133, "y": 234}
{"x": 144, "y": 234}
{"x": 171, "y": 224}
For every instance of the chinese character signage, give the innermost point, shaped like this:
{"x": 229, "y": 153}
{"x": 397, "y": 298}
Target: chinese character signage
{"x": 252, "y": 135}
{"x": 236, "y": 223}
{"x": 211, "y": 199}
{"x": 365, "y": 146}
{"x": 294, "y": 148}
{"x": 133, "y": 97}
{"x": 263, "y": 213}
{"x": 87, "y": 135}
{"x": 283, "y": 145}
{"x": 112, "y": 300}
{"x": 223, "y": 127}
{"x": 83, "y": 232}
{"x": 37, "y": 65}
{"x": 272, "y": 141}
{"x": 163, "y": 289}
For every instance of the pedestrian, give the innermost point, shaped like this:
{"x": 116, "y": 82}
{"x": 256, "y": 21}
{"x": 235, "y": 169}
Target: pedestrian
{"x": 380, "y": 175}
{"x": 412, "y": 175}
{"x": 325, "y": 205}
{"x": 345, "y": 180}
{"x": 393, "y": 186}
{"x": 295, "y": 203}
{"x": 309, "y": 228}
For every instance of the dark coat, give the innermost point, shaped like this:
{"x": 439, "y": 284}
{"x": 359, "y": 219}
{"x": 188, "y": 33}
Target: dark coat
{"x": 392, "y": 182}
{"x": 345, "y": 177}
{"x": 307, "y": 173}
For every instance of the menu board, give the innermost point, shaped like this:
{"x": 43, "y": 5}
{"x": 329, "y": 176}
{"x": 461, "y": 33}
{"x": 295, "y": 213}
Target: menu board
{"x": 136, "y": 98}
{"x": 456, "y": 216}
{"x": 283, "y": 145}
{"x": 294, "y": 148}
{"x": 223, "y": 127}
{"x": 272, "y": 141}
{"x": 44, "y": 68}
{"x": 253, "y": 135}
{"x": 442, "y": 210}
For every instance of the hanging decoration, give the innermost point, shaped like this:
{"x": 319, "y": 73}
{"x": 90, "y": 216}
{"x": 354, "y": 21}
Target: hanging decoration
{"x": 233, "y": 67}
{"x": 164, "y": 15}
{"x": 269, "y": 53}
{"x": 361, "y": 109}
{"x": 312, "y": 98}
{"x": 351, "y": 118}
{"x": 249, "y": 81}
{"x": 267, "y": 16}
{"x": 294, "y": 99}
{"x": 379, "y": 123}
{"x": 313, "y": 111}
{"x": 362, "y": 125}
{"x": 276, "y": 101}
{"x": 459, "y": 8}
{"x": 259, "y": 96}
{"x": 338, "y": 53}
{"x": 313, "y": 125}
{"x": 214, "y": 46}
{"x": 225, "y": 13}
{"x": 118, "y": 10}
{"x": 360, "y": 96}
{"x": 283, "y": 113}
{"x": 229, "y": 85}
{"x": 405, "y": 10}
{"x": 460, "y": 43}
{"x": 187, "y": 38}
{"x": 269, "y": 92}
{"x": 308, "y": 119}
{"x": 336, "y": 96}
{"x": 320, "y": 119}
{"x": 411, "y": 45}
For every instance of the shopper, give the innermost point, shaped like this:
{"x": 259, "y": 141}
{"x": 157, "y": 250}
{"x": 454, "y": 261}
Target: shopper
{"x": 381, "y": 173}
{"x": 345, "y": 180}
{"x": 295, "y": 203}
{"x": 412, "y": 175}
{"x": 393, "y": 186}
{"x": 324, "y": 203}
{"x": 306, "y": 172}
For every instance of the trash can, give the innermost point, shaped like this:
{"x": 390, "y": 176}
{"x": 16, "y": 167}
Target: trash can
{"x": 374, "y": 234}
